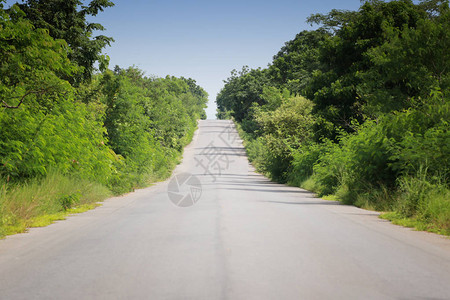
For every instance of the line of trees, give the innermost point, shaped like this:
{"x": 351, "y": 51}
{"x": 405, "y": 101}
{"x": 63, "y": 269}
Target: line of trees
{"x": 117, "y": 128}
{"x": 358, "y": 108}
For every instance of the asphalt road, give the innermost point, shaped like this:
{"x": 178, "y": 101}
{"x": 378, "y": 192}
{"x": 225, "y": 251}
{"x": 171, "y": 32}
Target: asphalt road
{"x": 243, "y": 237}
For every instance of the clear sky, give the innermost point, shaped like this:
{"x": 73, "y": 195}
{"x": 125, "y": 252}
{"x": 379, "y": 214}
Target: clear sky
{"x": 204, "y": 39}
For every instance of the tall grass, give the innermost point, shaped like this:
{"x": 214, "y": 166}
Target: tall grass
{"x": 424, "y": 202}
{"x": 38, "y": 202}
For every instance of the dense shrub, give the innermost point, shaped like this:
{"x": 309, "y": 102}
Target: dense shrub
{"x": 283, "y": 123}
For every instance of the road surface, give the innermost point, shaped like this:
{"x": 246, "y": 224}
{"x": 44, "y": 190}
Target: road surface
{"x": 243, "y": 237}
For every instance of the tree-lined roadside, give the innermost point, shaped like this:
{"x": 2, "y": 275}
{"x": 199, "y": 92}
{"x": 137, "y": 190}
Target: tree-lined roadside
{"x": 244, "y": 238}
{"x": 71, "y": 135}
{"x": 357, "y": 109}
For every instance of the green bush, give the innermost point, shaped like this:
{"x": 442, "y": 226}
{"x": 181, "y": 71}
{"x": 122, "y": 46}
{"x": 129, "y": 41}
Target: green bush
{"x": 329, "y": 170}
{"x": 67, "y": 201}
{"x": 304, "y": 159}
{"x": 381, "y": 151}
{"x": 422, "y": 138}
{"x": 257, "y": 152}
{"x": 285, "y": 123}
{"x": 425, "y": 201}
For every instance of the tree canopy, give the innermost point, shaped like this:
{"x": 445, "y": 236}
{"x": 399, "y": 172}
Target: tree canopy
{"x": 67, "y": 20}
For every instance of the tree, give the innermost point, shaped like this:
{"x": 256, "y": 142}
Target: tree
{"x": 284, "y": 125}
{"x": 294, "y": 64}
{"x": 31, "y": 61}
{"x": 409, "y": 64}
{"x": 67, "y": 20}
{"x": 42, "y": 125}
{"x": 336, "y": 88}
{"x": 241, "y": 90}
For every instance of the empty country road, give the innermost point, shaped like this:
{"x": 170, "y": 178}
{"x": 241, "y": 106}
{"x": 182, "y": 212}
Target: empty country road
{"x": 218, "y": 230}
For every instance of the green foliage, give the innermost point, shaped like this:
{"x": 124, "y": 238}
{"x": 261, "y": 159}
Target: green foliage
{"x": 42, "y": 126}
{"x": 69, "y": 137}
{"x": 67, "y": 20}
{"x": 149, "y": 120}
{"x": 426, "y": 203}
{"x": 376, "y": 131}
{"x": 283, "y": 123}
{"x": 257, "y": 153}
{"x": 329, "y": 170}
{"x": 335, "y": 88}
{"x": 395, "y": 145}
{"x": 241, "y": 90}
{"x": 67, "y": 201}
{"x": 410, "y": 63}
{"x": 117, "y": 131}
{"x": 31, "y": 61}
{"x": 304, "y": 159}
{"x": 422, "y": 138}
{"x": 22, "y": 203}
{"x": 295, "y": 63}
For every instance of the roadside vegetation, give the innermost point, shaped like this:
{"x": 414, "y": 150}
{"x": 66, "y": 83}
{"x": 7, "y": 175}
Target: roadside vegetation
{"x": 357, "y": 110}
{"x": 70, "y": 134}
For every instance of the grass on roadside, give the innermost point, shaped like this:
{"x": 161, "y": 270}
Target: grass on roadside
{"x": 417, "y": 204}
{"x": 39, "y": 202}
{"x": 412, "y": 222}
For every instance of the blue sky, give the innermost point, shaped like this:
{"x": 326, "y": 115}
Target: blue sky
{"x": 205, "y": 40}
{"x": 202, "y": 39}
